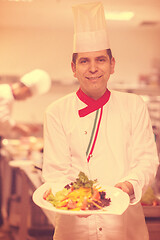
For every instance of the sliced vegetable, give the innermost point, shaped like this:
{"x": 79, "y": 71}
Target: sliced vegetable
{"x": 46, "y": 193}
{"x": 83, "y": 194}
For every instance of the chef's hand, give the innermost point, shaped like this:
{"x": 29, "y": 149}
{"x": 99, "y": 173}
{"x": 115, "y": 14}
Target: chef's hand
{"x": 126, "y": 187}
{"x": 25, "y": 129}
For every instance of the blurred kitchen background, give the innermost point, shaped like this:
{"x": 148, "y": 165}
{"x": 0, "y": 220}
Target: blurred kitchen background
{"x": 39, "y": 34}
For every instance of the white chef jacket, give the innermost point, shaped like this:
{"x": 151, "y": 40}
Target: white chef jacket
{"x": 125, "y": 150}
{"x": 6, "y": 101}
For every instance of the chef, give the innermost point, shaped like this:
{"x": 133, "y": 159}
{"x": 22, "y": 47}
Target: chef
{"x": 105, "y": 134}
{"x": 34, "y": 83}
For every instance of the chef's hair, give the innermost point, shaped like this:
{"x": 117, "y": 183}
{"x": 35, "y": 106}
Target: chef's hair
{"x": 74, "y": 55}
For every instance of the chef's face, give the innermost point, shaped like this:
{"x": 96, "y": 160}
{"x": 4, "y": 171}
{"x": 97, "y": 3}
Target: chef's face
{"x": 93, "y": 69}
{"x": 21, "y": 92}
{"x": 24, "y": 93}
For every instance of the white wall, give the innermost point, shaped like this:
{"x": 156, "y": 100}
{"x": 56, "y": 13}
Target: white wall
{"x": 22, "y": 50}
{"x": 134, "y": 50}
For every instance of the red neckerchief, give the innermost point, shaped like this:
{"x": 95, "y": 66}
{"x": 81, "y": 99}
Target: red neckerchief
{"x": 93, "y": 104}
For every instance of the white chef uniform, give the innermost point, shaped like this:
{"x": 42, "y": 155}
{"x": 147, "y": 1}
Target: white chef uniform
{"x": 124, "y": 150}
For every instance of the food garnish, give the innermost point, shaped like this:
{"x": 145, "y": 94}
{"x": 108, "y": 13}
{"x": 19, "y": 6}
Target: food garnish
{"x": 82, "y": 194}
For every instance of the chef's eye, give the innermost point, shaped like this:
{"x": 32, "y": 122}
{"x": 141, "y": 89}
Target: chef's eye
{"x": 83, "y": 61}
{"x": 101, "y": 59}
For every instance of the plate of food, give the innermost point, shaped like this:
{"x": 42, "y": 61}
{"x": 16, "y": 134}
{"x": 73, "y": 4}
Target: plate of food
{"x": 81, "y": 197}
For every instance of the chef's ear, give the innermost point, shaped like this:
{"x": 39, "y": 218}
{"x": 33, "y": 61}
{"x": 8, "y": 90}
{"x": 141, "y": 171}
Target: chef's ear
{"x": 112, "y": 65}
{"x": 73, "y": 66}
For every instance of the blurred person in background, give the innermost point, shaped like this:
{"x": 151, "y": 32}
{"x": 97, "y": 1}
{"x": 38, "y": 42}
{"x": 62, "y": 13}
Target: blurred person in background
{"x": 31, "y": 84}
{"x": 36, "y": 82}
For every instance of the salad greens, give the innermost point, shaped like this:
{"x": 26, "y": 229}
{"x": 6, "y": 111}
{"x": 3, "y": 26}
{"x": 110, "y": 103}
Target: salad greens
{"x": 82, "y": 194}
{"x": 83, "y": 181}
{"x": 58, "y": 197}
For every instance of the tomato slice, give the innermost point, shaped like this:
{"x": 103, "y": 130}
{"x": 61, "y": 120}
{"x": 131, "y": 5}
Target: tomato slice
{"x": 46, "y": 193}
{"x": 96, "y": 195}
{"x": 84, "y": 204}
{"x": 71, "y": 204}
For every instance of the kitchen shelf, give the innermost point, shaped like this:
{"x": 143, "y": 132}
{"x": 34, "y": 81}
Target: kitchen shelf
{"x": 138, "y": 89}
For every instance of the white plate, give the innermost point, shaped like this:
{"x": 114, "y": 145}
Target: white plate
{"x": 119, "y": 202}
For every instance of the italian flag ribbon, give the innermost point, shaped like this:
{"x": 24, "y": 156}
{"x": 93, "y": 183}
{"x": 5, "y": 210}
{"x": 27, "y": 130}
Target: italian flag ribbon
{"x": 94, "y": 134}
{"x": 93, "y": 105}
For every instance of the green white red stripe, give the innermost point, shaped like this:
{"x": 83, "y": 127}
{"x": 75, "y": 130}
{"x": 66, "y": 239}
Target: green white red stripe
{"x": 94, "y": 134}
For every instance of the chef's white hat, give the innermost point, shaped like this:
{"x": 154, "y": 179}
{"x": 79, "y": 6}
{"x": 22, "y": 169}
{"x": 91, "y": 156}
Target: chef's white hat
{"x": 38, "y": 81}
{"x": 90, "y": 30}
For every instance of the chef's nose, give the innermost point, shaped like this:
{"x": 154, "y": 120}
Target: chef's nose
{"x": 93, "y": 67}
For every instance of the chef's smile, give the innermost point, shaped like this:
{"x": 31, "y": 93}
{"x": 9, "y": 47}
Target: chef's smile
{"x": 93, "y": 78}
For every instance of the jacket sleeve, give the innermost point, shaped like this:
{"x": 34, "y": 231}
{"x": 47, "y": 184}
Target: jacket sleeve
{"x": 144, "y": 163}
{"x": 56, "y": 160}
